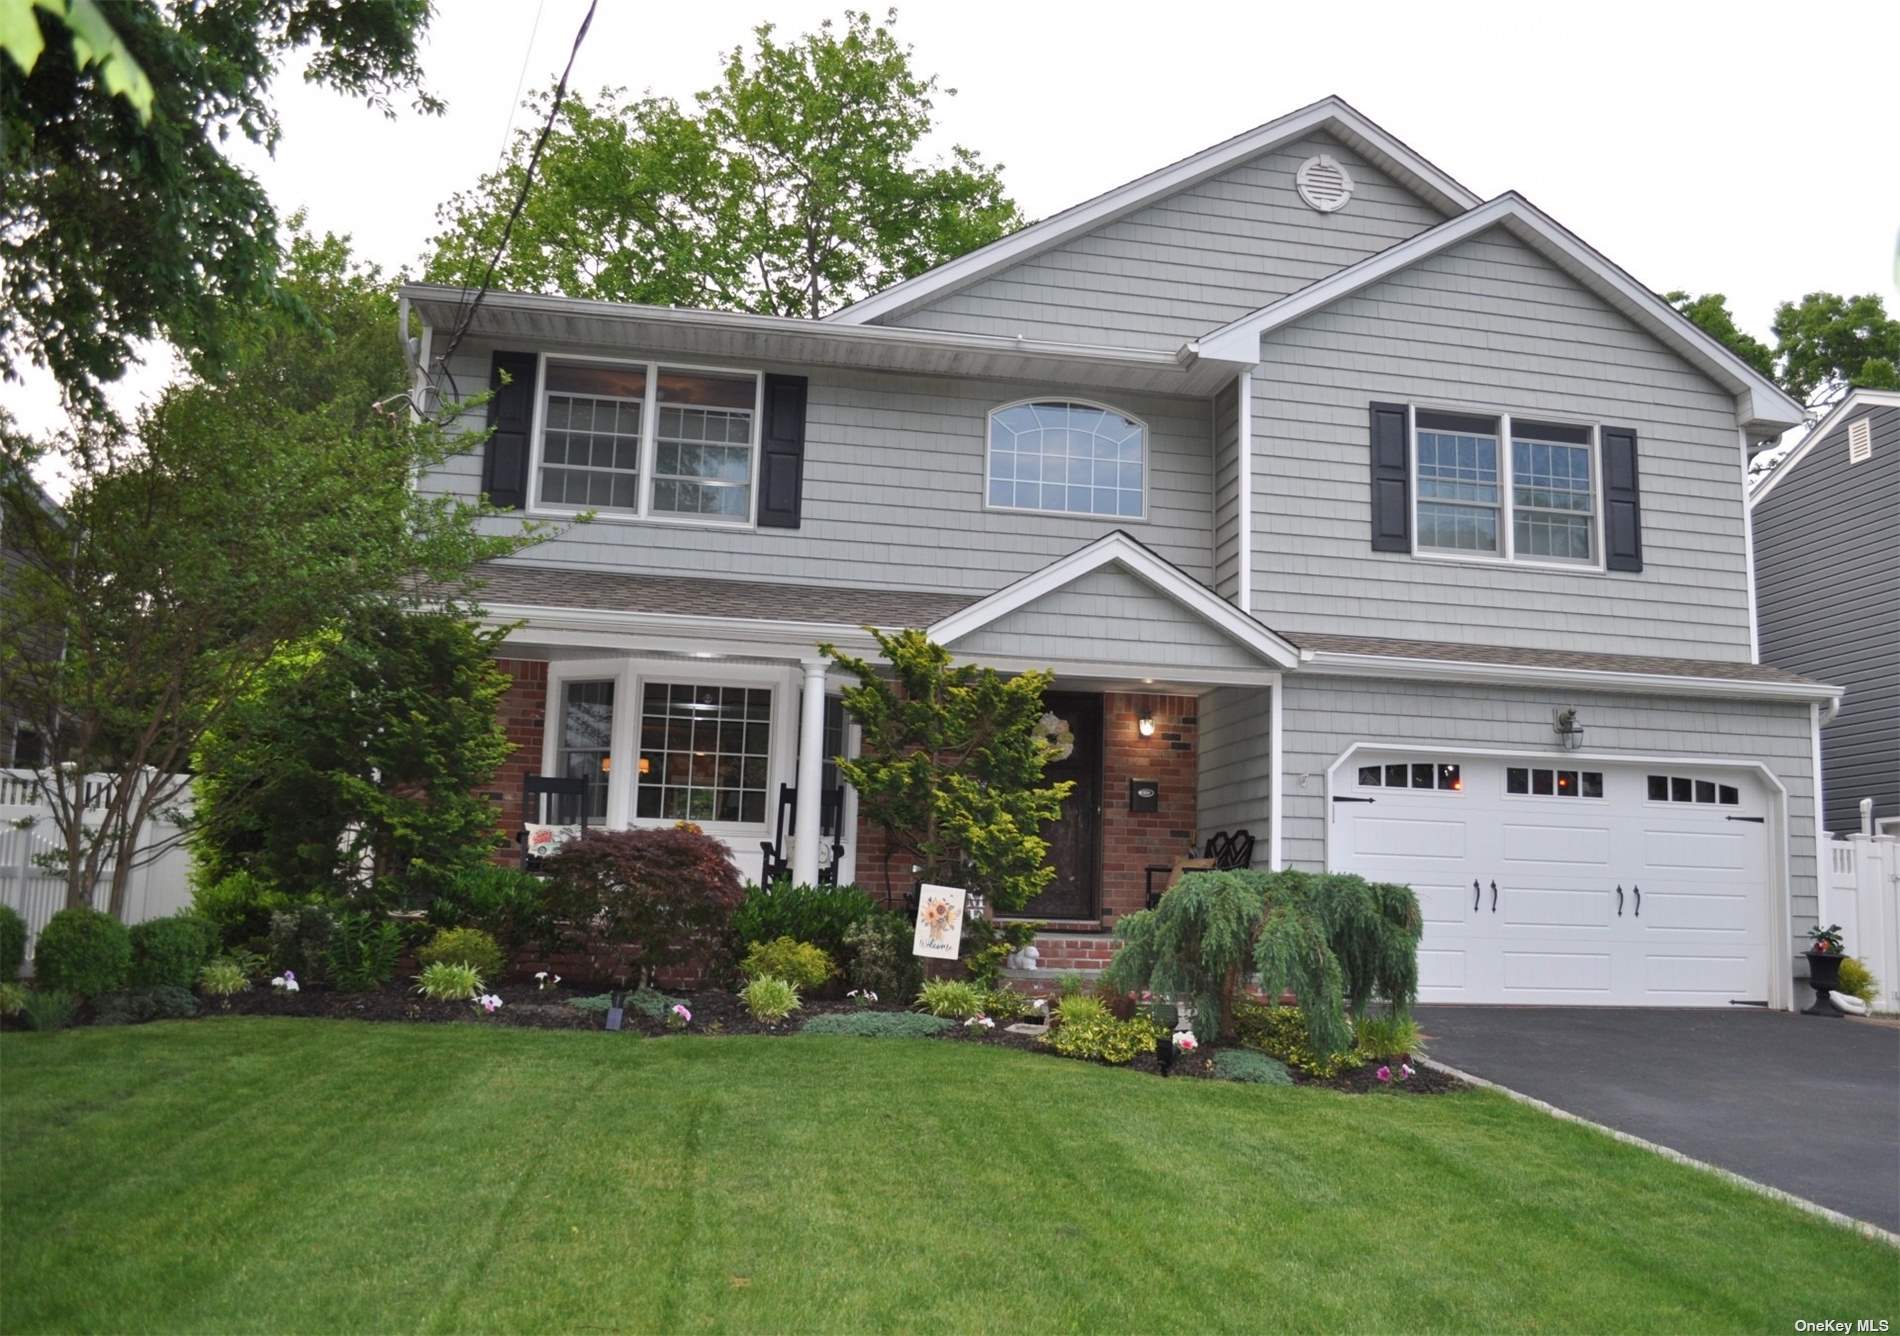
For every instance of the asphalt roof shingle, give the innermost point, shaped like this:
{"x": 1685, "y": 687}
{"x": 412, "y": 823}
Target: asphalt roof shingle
{"x": 1447, "y": 652}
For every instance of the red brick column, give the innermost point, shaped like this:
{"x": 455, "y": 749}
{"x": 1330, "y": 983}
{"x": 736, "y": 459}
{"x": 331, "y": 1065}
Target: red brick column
{"x": 1132, "y": 840}
{"x": 523, "y": 712}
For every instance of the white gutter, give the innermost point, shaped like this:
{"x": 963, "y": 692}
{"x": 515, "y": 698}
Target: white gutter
{"x": 1587, "y": 679}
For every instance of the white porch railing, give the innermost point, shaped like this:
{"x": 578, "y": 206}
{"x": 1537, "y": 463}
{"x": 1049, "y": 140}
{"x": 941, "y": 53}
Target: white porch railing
{"x": 32, "y": 879}
{"x": 1862, "y": 894}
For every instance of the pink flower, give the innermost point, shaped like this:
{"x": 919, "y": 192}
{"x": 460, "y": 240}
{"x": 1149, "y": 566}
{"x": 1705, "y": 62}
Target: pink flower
{"x": 1384, "y": 1073}
{"x": 679, "y": 1009}
{"x": 1406, "y": 1071}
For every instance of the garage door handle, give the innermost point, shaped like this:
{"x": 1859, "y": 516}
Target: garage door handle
{"x": 1619, "y": 902}
{"x": 1494, "y": 897}
{"x": 1639, "y": 899}
{"x": 1476, "y": 895}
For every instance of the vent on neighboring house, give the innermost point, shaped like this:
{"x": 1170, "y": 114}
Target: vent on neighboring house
{"x": 1860, "y": 441}
{"x": 1323, "y": 183}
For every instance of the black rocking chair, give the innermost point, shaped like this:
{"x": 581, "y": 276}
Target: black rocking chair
{"x": 776, "y": 866}
{"x": 535, "y": 790}
{"x": 1230, "y": 850}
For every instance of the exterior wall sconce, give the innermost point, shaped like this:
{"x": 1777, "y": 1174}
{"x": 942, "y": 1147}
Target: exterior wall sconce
{"x": 1569, "y": 732}
{"x": 1145, "y": 725}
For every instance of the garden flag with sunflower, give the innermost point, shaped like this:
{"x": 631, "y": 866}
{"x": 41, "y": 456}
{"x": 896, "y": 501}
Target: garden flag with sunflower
{"x": 939, "y": 923}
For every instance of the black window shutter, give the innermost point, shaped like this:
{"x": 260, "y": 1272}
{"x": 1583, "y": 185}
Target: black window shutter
{"x": 782, "y": 452}
{"x": 1391, "y": 480}
{"x": 510, "y": 420}
{"x": 1622, "y": 501}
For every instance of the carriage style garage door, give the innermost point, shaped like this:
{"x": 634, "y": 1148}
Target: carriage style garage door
{"x": 1568, "y": 882}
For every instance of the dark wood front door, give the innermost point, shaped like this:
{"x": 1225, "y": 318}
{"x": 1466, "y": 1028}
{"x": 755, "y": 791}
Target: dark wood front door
{"x": 1075, "y": 836}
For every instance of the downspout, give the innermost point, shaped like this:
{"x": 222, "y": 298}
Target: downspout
{"x": 1820, "y": 851}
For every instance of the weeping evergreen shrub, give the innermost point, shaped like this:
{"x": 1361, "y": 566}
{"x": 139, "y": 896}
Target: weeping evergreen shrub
{"x": 1333, "y": 939}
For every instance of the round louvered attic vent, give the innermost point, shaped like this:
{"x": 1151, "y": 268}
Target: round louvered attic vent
{"x": 1323, "y": 183}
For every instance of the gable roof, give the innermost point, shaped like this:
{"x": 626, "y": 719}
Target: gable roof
{"x": 1760, "y": 403}
{"x": 1155, "y": 571}
{"x": 1835, "y": 417}
{"x": 1330, "y": 114}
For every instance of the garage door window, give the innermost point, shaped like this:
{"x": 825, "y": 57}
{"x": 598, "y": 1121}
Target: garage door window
{"x": 1536, "y": 782}
{"x": 1435, "y": 775}
{"x": 1688, "y": 789}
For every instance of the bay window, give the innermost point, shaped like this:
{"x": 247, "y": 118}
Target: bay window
{"x": 705, "y": 752}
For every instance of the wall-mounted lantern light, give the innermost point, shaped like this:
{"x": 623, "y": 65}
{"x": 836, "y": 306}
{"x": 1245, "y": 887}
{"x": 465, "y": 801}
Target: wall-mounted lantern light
{"x": 1569, "y": 732}
{"x": 1146, "y": 725}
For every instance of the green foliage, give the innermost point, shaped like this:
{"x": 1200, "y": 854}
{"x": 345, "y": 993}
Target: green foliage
{"x": 12, "y": 943}
{"x": 956, "y": 998}
{"x": 987, "y": 945}
{"x": 224, "y": 978}
{"x": 503, "y": 902}
{"x": 646, "y": 1001}
{"x": 770, "y": 999}
{"x": 12, "y": 997}
{"x": 1284, "y": 1033}
{"x": 1389, "y": 1036}
{"x": 635, "y": 901}
{"x": 1105, "y": 1039}
{"x": 449, "y": 981}
{"x": 1081, "y": 1009}
{"x": 300, "y": 941}
{"x": 821, "y": 915}
{"x": 138, "y": 1005}
{"x": 1003, "y": 1005}
{"x": 1859, "y": 981}
{"x": 354, "y": 760}
{"x": 1070, "y": 983}
{"x": 1711, "y": 315}
{"x": 1244, "y": 1064}
{"x": 363, "y": 951}
{"x": 1196, "y": 944}
{"x": 239, "y": 907}
{"x": 467, "y": 946}
{"x": 1826, "y": 343}
{"x": 134, "y": 227}
{"x": 49, "y": 1009}
{"x": 83, "y": 951}
{"x": 798, "y": 963}
{"x": 792, "y": 186}
{"x": 951, "y": 769}
{"x": 880, "y": 957}
{"x": 169, "y": 952}
{"x": 878, "y": 1024}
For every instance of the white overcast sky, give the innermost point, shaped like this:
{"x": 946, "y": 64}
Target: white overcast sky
{"x": 1732, "y": 148}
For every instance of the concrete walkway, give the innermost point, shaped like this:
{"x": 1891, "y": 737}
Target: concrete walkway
{"x": 1807, "y": 1105}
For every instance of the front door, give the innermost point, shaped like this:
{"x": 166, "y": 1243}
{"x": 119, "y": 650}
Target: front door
{"x": 1075, "y": 836}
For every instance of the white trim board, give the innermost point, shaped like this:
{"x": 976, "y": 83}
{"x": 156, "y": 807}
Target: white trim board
{"x": 1332, "y": 115}
{"x": 1835, "y": 416}
{"x": 1760, "y": 404}
{"x": 1158, "y": 574}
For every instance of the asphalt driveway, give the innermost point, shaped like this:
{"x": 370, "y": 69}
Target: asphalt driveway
{"x": 1808, "y": 1105}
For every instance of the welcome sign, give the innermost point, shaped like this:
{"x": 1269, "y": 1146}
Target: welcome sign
{"x": 939, "y": 922}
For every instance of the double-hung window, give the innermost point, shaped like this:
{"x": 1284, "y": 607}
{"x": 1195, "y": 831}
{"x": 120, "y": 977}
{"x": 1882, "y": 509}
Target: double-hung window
{"x": 648, "y": 440}
{"x": 1505, "y": 488}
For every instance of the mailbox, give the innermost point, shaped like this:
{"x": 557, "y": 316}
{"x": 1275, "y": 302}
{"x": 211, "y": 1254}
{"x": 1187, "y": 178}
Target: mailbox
{"x": 1144, "y": 795}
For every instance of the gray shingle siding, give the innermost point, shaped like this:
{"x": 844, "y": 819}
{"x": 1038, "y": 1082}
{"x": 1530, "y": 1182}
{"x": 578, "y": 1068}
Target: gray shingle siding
{"x": 1191, "y": 262}
{"x": 1226, "y": 498}
{"x": 1490, "y": 325}
{"x": 893, "y": 493}
{"x": 1235, "y": 790}
{"x": 1323, "y": 716}
{"x": 1109, "y": 616}
{"x": 1827, "y": 589}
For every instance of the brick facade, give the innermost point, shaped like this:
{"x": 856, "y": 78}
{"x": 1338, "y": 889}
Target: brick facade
{"x": 523, "y": 712}
{"x": 1133, "y": 840}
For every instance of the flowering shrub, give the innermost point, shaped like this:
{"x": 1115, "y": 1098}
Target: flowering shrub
{"x": 770, "y": 999}
{"x": 678, "y": 1017}
{"x": 979, "y": 1023}
{"x": 636, "y": 901}
{"x": 956, "y": 998}
{"x": 463, "y": 946}
{"x": 287, "y": 981}
{"x": 544, "y": 981}
{"x": 798, "y": 963}
{"x": 1185, "y": 1042}
{"x": 489, "y": 1003}
{"x": 449, "y": 981}
{"x": 862, "y": 997}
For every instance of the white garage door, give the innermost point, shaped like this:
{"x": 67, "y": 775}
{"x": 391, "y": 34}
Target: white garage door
{"x": 1567, "y": 882}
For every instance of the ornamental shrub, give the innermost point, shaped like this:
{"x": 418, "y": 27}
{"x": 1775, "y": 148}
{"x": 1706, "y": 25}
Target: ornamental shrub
{"x": 1251, "y": 1067}
{"x": 1080, "y": 1009}
{"x": 12, "y": 997}
{"x": 821, "y": 915}
{"x": 878, "y": 948}
{"x": 507, "y": 904}
{"x": 449, "y": 981}
{"x": 1387, "y": 1036}
{"x": 135, "y": 1006}
{"x": 49, "y": 1009}
{"x": 169, "y": 952}
{"x": 770, "y": 999}
{"x": 239, "y": 906}
{"x": 1106, "y": 1039}
{"x": 1859, "y": 981}
{"x": 957, "y": 998}
{"x": 12, "y": 943}
{"x": 362, "y": 953}
{"x": 1284, "y": 1033}
{"x": 83, "y": 951}
{"x": 798, "y": 963}
{"x": 1003, "y": 1005}
{"x": 636, "y": 901}
{"x": 878, "y": 1024}
{"x": 465, "y": 946}
{"x": 224, "y": 978}
{"x": 300, "y": 940}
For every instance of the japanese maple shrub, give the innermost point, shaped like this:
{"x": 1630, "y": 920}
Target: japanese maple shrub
{"x": 636, "y": 901}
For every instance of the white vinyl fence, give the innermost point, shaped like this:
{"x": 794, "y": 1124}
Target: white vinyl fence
{"x": 31, "y": 860}
{"x": 1863, "y": 896}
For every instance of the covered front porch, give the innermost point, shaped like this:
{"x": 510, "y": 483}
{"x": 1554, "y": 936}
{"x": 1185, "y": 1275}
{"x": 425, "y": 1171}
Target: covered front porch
{"x": 1163, "y": 711}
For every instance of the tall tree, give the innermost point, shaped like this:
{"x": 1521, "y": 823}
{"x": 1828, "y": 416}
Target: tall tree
{"x": 792, "y": 187}
{"x": 243, "y": 512}
{"x": 117, "y": 226}
{"x": 1711, "y": 315}
{"x": 1824, "y": 344}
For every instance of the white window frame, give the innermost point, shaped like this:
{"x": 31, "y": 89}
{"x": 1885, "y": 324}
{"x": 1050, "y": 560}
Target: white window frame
{"x": 649, "y": 445}
{"x": 1507, "y": 505}
{"x": 630, "y": 677}
{"x": 1057, "y": 397}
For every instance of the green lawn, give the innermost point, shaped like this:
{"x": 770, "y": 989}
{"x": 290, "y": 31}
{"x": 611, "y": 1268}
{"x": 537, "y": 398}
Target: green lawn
{"x": 261, "y": 1175}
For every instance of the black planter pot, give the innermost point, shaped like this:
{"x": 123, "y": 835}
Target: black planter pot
{"x": 1164, "y": 1055}
{"x": 1824, "y": 976}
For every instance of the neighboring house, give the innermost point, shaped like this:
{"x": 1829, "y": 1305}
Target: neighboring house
{"x": 1353, "y": 484}
{"x": 1827, "y": 580}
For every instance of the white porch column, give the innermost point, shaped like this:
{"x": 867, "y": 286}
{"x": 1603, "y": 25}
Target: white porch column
{"x": 811, "y": 759}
